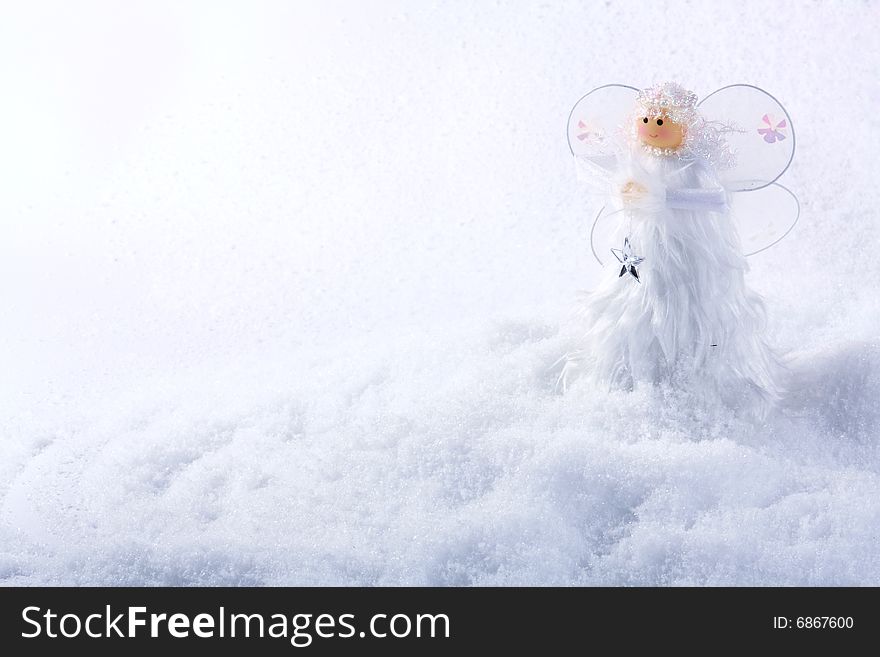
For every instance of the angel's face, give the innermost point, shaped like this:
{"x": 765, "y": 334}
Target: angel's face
{"x": 659, "y": 131}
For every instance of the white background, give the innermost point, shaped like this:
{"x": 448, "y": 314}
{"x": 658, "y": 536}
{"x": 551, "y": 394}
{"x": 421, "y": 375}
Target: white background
{"x": 282, "y": 286}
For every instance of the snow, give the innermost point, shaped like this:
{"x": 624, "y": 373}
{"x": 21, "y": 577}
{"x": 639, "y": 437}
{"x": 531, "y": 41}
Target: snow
{"x": 284, "y": 287}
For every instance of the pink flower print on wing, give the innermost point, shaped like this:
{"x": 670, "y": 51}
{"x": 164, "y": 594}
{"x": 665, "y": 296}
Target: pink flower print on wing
{"x": 772, "y": 134}
{"x": 589, "y": 134}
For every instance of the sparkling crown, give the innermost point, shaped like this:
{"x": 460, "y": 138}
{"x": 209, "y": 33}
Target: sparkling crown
{"x": 669, "y": 99}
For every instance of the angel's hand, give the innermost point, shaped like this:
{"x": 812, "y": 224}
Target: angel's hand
{"x": 632, "y": 191}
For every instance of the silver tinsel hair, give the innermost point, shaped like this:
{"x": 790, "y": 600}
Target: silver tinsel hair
{"x": 703, "y": 139}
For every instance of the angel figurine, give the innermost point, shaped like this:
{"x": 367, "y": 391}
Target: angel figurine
{"x": 689, "y": 192}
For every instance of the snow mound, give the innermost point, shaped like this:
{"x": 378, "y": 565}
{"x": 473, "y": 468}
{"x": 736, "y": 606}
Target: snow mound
{"x": 464, "y": 468}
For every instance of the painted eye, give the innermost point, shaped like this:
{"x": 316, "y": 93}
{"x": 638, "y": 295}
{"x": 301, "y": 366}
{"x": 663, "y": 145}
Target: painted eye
{"x": 659, "y": 121}
{"x": 645, "y": 120}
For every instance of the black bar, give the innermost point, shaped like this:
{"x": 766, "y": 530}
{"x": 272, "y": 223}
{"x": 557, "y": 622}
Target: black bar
{"x": 545, "y": 621}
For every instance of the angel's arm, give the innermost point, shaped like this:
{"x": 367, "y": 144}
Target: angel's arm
{"x": 640, "y": 191}
{"x": 707, "y": 195}
{"x": 596, "y": 170}
{"x": 712, "y": 199}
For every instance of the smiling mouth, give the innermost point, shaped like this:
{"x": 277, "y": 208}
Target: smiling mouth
{"x": 653, "y": 136}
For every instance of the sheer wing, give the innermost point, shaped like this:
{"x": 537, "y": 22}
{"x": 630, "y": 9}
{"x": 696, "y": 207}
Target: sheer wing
{"x": 606, "y": 234}
{"x": 595, "y": 132}
{"x": 596, "y": 137}
{"x": 764, "y": 217}
{"x": 596, "y": 121}
{"x": 761, "y": 136}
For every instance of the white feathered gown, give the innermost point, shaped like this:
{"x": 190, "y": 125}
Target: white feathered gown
{"x": 691, "y": 320}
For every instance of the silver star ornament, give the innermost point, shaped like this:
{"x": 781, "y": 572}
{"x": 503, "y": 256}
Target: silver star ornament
{"x": 628, "y": 260}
